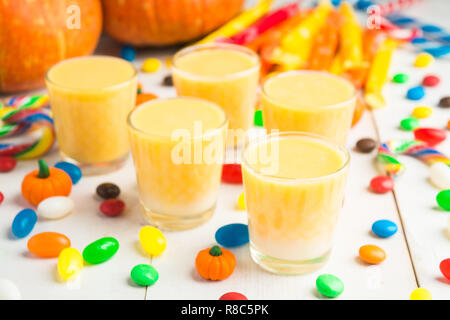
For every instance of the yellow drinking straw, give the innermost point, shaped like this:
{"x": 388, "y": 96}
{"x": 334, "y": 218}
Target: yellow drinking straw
{"x": 239, "y": 23}
{"x": 378, "y": 74}
{"x": 295, "y": 47}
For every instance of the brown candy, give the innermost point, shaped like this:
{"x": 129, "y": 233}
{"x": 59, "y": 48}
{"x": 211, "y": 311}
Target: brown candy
{"x": 108, "y": 191}
{"x": 444, "y": 102}
{"x": 366, "y": 145}
{"x": 167, "y": 81}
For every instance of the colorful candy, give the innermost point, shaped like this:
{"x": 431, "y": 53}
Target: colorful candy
{"x": 70, "y": 263}
{"x": 415, "y": 93}
{"x": 382, "y": 184}
{"x": 128, "y": 53}
{"x": 108, "y": 190}
{"x": 9, "y": 291}
{"x": 444, "y": 266}
{"x": 239, "y": 23}
{"x": 55, "y": 207}
{"x": 400, "y": 78}
{"x": 443, "y": 199}
{"x": 329, "y": 285}
{"x": 423, "y": 60}
{"x": 7, "y": 163}
{"x": 232, "y": 173}
{"x": 26, "y": 115}
{"x": 152, "y": 240}
{"x": 215, "y": 263}
{"x": 48, "y": 244}
{"x": 384, "y": 228}
{"x": 422, "y": 112}
{"x": 372, "y": 254}
{"x": 444, "y": 102}
{"x": 2, "y": 197}
{"x": 440, "y": 175}
{"x": 350, "y": 38}
{"x": 241, "y": 201}
{"x": 232, "y": 235}
{"x": 100, "y": 250}
{"x": 431, "y": 81}
{"x": 24, "y": 223}
{"x": 409, "y": 124}
{"x": 233, "y": 296}
{"x": 431, "y": 136}
{"x": 366, "y": 145}
{"x": 420, "y": 294}
{"x": 144, "y": 275}
{"x": 258, "y": 119}
{"x": 378, "y": 74}
{"x": 151, "y": 65}
{"x": 72, "y": 170}
{"x": 112, "y": 207}
{"x": 167, "y": 81}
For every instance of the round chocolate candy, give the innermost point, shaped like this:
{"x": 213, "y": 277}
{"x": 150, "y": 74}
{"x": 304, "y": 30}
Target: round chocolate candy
{"x": 366, "y": 145}
{"x": 415, "y": 93}
{"x": 329, "y": 285}
{"x": 108, "y": 190}
{"x": 167, "y": 81}
{"x": 444, "y": 102}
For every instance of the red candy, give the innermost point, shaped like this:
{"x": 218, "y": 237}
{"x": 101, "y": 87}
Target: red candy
{"x": 7, "y": 163}
{"x": 1, "y": 197}
{"x": 445, "y": 268}
{"x": 431, "y": 81}
{"x": 112, "y": 207}
{"x": 232, "y": 173}
{"x": 431, "y": 136}
{"x": 382, "y": 184}
{"x": 233, "y": 296}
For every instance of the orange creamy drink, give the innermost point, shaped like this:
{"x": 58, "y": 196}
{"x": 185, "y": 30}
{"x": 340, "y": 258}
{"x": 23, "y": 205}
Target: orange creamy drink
{"x": 90, "y": 99}
{"x": 222, "y": 73}
{"x": 309, "y": 101}
{"x": 294, "y": 188}
{"x": 178, "y": 148}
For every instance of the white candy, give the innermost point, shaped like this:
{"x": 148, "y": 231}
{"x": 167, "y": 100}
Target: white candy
{"x": 440, "y": 175}
{"x": 8, "y": 290}
{"x": 55, "y": 207}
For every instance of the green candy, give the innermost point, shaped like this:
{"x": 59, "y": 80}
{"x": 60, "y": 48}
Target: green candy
{"x": 409, "y": 124}
{"x": 258, "y": 120}
{"x": 400, "y": 78}
{"x": 144, "y": 274}
{"x": 443, "y": 199}
{"x": 329, "y": 285}
{"x": 100, "y": 250}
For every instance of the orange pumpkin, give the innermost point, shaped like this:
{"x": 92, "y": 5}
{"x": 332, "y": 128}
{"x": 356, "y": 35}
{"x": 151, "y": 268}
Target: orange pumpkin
{"x": 162, "y": 22}
{"x": 34, "y": 35}
{"x": 215, "y": 263}
{"x": 45, "y": 183}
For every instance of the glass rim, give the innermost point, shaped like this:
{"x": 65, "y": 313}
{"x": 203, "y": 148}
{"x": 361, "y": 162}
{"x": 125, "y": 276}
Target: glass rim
{"x": 212, "y": 46}
{"x": 112, "y": 87}
{"x": 209, "y": 132}
{"x": 311, "y": 136}
{"x": 287, "y": 73}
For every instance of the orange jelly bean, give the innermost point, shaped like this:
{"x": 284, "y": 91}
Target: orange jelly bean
{"x": 48, "y": 244}
{"x": 372, "y": 254}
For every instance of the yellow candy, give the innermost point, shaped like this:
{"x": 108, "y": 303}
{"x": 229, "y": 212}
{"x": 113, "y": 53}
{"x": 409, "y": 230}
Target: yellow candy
{"x": 151, "y": 65}
{"x": 152, "y": 240}
{"x": 241, "y": 202}
{"x": 168, "y": 62}
{"x": 70, "y": 263}
{"x": 420, "y": 294}
{"x": 422, "y": 112}
{"x": 423, "y": 60}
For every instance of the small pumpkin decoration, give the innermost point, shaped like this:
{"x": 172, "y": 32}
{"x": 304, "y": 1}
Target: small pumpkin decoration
{"x": 45, "y": 183}
{"x": 215, "y": 263}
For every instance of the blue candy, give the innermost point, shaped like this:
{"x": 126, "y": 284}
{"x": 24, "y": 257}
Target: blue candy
{"x": 128, "y": 53}
{"x": 72, "y": 170}
{"x": 384, "y": 228}
{"x": 23, "y": 223}
{"x": 363, "y": 4}
{"x": 232, "y": 235}
{"x": 419, "y": 40}
{"x": 415, "y": 93}
{"x": 438, "y": 51}
{"x": 431, "y": 28}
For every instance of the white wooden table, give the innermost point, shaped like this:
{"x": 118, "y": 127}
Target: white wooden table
{"x": 413, "y": 254}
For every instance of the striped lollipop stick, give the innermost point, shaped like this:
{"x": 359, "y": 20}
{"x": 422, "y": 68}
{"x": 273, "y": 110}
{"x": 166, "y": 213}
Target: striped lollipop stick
{"x": 387, "y": 152}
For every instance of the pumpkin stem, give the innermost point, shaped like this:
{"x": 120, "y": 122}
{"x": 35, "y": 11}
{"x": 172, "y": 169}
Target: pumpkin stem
{"x": 215, "y": 251}
{"x": 44, "y": 172}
